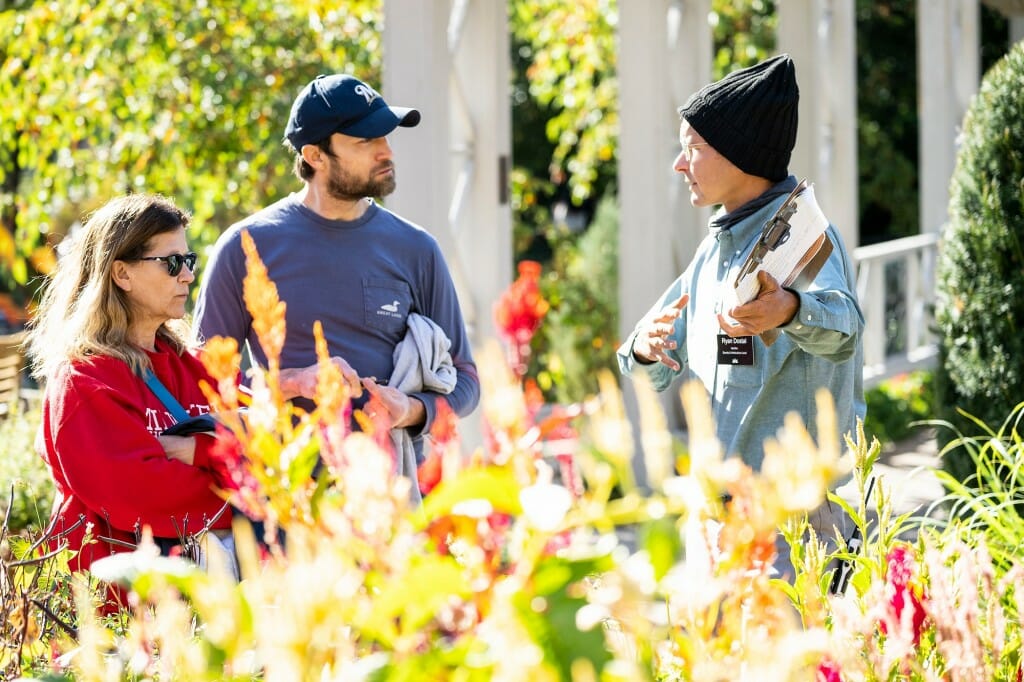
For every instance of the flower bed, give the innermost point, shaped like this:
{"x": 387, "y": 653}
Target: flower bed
{"x": 506, "y": 574}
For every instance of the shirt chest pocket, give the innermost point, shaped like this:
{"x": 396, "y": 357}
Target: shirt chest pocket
{"x": 386, "y": 303}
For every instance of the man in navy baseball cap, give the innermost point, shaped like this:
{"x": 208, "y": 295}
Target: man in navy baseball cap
{"x": 343, "y": 104}
{"x": 374, "y": 284}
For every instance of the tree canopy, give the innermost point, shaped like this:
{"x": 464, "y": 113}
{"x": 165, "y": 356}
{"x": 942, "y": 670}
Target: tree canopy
{"x": 185, "y": 99}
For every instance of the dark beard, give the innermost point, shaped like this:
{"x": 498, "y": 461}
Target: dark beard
{"x": 344, "y": 186}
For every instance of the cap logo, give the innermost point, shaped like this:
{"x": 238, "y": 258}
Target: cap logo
{"x": 368, "y": 93}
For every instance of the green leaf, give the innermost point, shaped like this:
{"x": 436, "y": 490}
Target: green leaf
{"x": 660, "y": 538}
{"x": 414, "y": 597}
{"x": 300, "y": 469}
{"x": 496, "y": 485}
{"x": 549, "y": 613}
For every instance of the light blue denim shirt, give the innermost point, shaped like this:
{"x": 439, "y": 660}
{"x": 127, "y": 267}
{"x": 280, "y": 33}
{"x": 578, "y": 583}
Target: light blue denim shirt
{"x": 820, "y": 347}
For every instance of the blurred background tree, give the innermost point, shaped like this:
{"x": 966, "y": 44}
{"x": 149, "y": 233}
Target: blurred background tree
{"x": 186, "y": 99}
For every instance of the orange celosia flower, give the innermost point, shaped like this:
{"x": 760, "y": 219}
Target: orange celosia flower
{"x": 331, "y": 390}
{"x": 263, "y": 303}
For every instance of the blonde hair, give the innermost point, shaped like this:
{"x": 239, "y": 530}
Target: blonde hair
{"x": 82, "y": 312}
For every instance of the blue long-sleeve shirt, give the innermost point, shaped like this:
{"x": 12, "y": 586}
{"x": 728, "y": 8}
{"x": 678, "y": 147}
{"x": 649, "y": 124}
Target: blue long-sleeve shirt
{"x": 360, "y": 278}
{"x": 820, "y": 347}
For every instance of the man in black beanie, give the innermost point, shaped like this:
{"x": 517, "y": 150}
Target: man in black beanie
{"x": 770, "y": 356}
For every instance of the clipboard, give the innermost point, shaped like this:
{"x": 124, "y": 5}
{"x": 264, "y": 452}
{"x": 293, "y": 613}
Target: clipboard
{"x": 792, "y": 248}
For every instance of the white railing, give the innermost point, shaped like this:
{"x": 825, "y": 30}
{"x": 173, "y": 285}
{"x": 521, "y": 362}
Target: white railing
{"x": 896, "y": 287}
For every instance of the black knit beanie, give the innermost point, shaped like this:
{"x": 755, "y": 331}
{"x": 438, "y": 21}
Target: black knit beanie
{"x": 750, "y": 116}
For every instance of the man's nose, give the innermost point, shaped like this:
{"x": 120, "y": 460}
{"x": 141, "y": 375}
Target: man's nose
{"x": 681, "y": 163}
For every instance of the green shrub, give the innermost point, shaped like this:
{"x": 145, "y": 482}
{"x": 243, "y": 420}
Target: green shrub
{"x": 894, "y": 406}
{"x": 578, "y": 335}
{"x": 26, "y": 483}
{"x": 980, "y": 289}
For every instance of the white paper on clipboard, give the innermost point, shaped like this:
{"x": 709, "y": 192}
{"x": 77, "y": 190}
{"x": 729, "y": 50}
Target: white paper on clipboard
{"x": 792, "y": 248}
{"x": 802, "y": 220}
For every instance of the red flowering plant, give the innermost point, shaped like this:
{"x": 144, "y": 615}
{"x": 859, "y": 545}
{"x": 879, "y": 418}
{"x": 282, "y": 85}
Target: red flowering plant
{"x": 519, "y": 312}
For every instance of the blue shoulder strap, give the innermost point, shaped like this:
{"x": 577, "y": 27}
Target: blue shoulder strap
{"x": 172, "y": 405}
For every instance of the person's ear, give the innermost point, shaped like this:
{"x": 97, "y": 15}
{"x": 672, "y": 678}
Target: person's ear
{"x": 122, "y": 275}
{"x": 314, "y": 156}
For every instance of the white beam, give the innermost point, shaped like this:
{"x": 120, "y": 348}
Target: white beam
{"x": 820, "y": 36}
{"x": 450, "y": 59}
{"x": 481, "y": 218}
{"x": 948, "y": 68}
{"x": 664, "y": 56}
{"x": 415, "y": 73}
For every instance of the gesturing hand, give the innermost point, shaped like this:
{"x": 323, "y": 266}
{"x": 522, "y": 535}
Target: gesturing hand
{"x": 654, "y": 334}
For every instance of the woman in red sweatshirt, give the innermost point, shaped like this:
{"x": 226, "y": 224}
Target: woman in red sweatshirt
{"x": 112, "y": 311}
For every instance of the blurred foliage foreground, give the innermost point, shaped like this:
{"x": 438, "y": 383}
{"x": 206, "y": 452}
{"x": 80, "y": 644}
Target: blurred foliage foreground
{"x": 510, "y": 572}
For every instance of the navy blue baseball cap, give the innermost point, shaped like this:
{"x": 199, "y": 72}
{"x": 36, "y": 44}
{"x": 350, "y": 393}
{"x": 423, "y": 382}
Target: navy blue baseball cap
{"x": 343, "y": 104}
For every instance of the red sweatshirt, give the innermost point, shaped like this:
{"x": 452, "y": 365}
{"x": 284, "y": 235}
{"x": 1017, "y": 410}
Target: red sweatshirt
{"x": 98, "y": 436}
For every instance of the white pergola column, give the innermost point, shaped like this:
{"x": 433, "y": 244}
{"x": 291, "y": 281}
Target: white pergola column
{"x": 948, "y": 71}
{"x": 450, "y": 59}
{"x": 664, "y": 56}
{"x": 820, "y": 36}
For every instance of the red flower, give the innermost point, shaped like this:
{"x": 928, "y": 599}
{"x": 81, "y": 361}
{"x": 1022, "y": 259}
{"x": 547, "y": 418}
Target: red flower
{"x": 428, "y": 474}
{"x": 828, "y": 671}
{"x": 519, "y": 312}
{"x": 899, "y": 574}
{"x": 444, "y": 437}
{"x": 445, "y": 429}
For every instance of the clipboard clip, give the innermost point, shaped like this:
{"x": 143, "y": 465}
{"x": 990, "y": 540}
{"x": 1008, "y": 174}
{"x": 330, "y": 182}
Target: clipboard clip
{"x": 774, "y": 234}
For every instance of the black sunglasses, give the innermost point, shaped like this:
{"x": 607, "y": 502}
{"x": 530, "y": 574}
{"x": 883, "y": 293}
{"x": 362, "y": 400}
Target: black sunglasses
{"x": 175, "y": 261}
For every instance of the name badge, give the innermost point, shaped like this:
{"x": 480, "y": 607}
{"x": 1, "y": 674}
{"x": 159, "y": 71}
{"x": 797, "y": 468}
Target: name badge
{"x": 735, "y": 351}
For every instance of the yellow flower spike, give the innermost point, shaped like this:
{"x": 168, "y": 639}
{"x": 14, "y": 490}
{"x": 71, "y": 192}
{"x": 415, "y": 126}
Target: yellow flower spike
{"x": 705, "y": 448}
{"x": 794, "y": 468}
{"x": 654, "y": 434}
{"x": 266, "y": 308}
{"x": 828, "y": 431}
{"x": 331, "y": 389}
{"x": 611, "y": 431}
{"x": 222, "y": 360}
{"x": 504, "y": 405}
{"x": 93, "y": 639}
